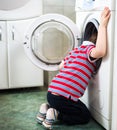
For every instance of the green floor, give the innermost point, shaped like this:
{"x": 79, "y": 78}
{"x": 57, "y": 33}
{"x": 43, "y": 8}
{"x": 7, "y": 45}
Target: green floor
{"x": 18, "y": 109}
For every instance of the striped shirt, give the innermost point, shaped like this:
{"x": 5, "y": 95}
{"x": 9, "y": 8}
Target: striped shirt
{"x": 73, "y": 78}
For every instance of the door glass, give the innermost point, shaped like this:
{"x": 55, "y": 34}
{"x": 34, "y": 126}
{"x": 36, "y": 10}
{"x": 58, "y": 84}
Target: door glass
{"x": 51, "y": 42}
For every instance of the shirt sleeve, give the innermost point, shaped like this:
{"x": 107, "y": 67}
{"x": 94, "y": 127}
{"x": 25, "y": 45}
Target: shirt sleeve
{"x": 91, "y": 59}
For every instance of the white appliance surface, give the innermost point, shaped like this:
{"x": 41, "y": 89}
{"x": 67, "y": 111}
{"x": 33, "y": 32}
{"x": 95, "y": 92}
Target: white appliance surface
{"x": 22, "y": 72}
{"x": 15, "y": 19}
{"x": 3, "y": 57}
{"x": 114, "y": 95}
{"x": 20, "y": 9}
{"x": 12, "y": 4}
{"x": 94, "y": 5}
{"x": 98, "y": 96}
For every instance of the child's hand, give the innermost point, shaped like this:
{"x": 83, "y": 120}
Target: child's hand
{"x": 105, "y": 16}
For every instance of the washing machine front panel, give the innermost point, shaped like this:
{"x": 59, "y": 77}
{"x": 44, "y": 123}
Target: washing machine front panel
{"x": 50, "y": 39}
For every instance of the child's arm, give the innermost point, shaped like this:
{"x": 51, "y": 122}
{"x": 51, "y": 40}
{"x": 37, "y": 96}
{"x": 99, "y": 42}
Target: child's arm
{"x": 101, "y": 43}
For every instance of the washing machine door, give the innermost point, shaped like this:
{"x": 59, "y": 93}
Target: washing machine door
{"x": 49, "y": 40}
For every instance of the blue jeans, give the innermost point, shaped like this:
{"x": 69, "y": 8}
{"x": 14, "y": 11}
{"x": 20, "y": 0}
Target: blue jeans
{"x": 70, "y": 112}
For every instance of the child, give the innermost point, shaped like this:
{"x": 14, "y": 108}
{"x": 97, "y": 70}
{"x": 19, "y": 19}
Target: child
{"x": 70, "y": 83}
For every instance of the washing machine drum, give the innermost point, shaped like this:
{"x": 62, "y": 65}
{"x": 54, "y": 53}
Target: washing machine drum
{"x": 50, "y": 39}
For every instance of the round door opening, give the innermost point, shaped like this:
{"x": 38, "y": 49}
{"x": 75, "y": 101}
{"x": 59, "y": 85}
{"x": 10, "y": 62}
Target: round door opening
{"x": 91, "y": 31}
{"x": 51, "y": 42}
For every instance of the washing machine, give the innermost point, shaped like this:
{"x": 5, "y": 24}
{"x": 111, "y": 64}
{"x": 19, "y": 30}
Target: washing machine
{"x": 98, "y": 96}
{"x": 16, "y": 69}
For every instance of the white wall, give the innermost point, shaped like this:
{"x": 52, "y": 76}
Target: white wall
{"x": 65, "y": 7}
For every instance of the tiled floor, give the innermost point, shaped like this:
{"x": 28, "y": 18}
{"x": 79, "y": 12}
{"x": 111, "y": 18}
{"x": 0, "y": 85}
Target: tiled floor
{"x": 18, "y": 109}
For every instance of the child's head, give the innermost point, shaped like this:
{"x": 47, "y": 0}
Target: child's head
{"x": 90, "y": 33}
{"x": 93, "y": 38}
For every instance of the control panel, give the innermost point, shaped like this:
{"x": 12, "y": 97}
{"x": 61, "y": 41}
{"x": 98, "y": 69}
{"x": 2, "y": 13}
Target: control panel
{"x": 89, "y": 5}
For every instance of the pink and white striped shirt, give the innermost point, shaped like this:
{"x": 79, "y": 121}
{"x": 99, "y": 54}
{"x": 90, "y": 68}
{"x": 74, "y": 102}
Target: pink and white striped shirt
{"x": 73, "y": 78}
